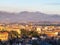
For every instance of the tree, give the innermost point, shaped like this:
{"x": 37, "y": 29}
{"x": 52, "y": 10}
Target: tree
{"x": 13, "y": 34}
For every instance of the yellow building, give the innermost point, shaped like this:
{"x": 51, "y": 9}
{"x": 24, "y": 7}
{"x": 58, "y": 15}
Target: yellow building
{"x": 2, "y": 28}
{"x": 48, "y": 28}
{"x": 3, "y": 36}
{"x": 13, "y": 28}
{"x": 38, "y": 29}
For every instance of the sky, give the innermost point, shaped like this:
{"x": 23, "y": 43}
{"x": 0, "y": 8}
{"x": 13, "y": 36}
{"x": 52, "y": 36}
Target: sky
{"x": 45, "y": 6}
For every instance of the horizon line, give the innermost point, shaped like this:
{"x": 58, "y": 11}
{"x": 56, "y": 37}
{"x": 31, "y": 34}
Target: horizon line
{"x": 27, "y": 11}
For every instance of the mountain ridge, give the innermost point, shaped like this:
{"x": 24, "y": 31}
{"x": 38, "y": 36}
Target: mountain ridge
{"x": 28, "y": 16}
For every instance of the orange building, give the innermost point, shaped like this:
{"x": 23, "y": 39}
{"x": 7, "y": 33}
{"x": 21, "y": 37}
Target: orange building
{"x": 51, "y": 34}
{"x": 3, "y": 36}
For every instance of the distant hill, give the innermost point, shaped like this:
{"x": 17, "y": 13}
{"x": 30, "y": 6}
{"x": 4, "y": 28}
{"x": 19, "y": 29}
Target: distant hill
{"x": 28, "y": 16}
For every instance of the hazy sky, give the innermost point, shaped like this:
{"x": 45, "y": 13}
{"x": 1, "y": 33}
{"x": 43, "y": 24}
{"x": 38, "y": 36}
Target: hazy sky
{"x": 46, "y": 6}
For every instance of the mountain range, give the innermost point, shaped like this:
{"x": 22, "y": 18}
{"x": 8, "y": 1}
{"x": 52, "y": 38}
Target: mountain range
{"x": 28, "y": 16}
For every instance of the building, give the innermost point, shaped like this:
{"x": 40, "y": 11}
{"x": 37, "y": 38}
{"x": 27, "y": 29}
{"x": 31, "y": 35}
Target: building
{"x": 3, "y": 36}
{"x": 38, "y": 29}
{"x": 51, "y": 34}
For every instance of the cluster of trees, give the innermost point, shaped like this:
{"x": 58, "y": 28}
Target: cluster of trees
{"x": 29, "y": 33}
{"x": 24, "y": 33}
{"x": 13, "y": 34}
